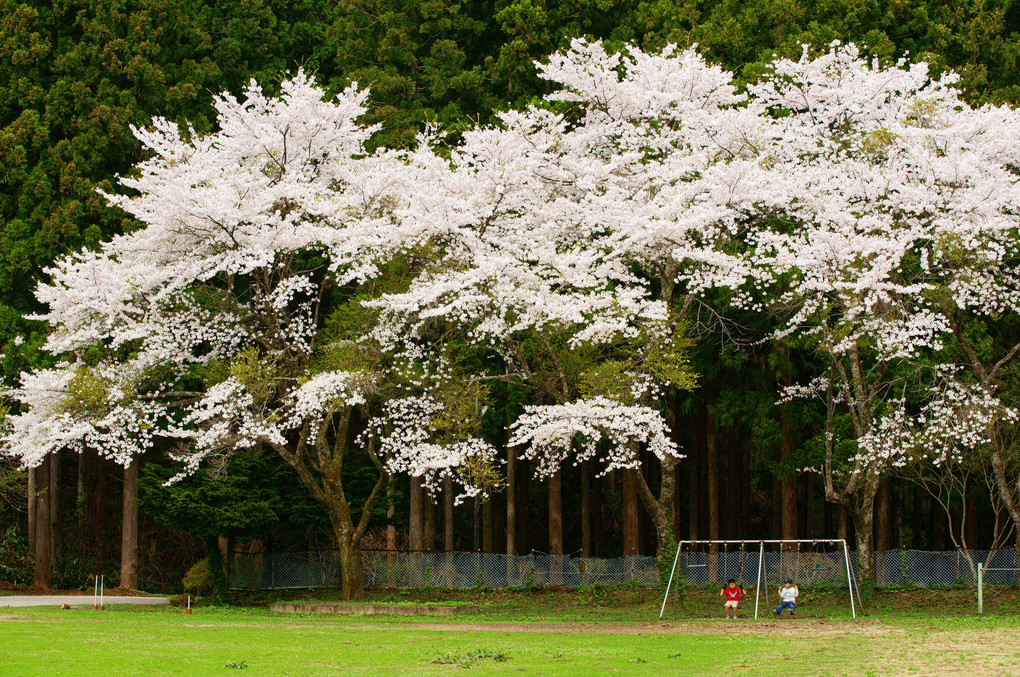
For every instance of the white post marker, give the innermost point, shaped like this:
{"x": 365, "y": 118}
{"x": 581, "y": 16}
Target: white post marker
{"x": 95, "y": 594}
{"x": 102, "y": 591}
{"x": 757, "y": 585}
{"x": 981, "y": 595}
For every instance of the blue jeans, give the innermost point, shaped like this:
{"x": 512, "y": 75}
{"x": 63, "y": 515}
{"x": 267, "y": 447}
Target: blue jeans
{"x": 784, "y": 605}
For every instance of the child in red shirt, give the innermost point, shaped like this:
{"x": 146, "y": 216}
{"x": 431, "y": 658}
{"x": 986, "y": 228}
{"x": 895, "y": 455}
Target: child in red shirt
{"x": 732, "y": 592}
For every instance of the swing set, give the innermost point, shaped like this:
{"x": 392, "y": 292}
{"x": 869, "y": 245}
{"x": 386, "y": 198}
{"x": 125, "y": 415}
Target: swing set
{"x": 791, "y": 563}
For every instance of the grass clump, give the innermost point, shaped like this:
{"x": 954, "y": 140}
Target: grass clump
{"x": 469, "y": 657}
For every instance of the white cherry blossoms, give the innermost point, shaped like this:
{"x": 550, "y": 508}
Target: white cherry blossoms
{"x": 550, "y": 435}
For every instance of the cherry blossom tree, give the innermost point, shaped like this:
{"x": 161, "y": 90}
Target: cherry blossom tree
{"x": 891, "y": 177}
{"x": 591, "y": 220}
{"x": 232, "y": 317}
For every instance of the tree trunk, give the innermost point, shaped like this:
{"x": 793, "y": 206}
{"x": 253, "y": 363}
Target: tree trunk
{"x": 1009, "y": 497}
{"x": 630, "y": 517}
{"x": 476, "y": 541}
{"x": 788, "y": 483}
{"x": 219, "y": 579}
{"x": 745, "y": 490}
{"x": 43, "y": 557}
{"x": 809, "y": 508}
{"x": 80, "y": 504}
{"x": 556, "y": 514}
{"x": 56, "y": 520}
{"x": 884, "y": 523}
{"x": 585, "y": 509}
{"x": 448, "y": 514}
{"x": 223, "y": 543}
{"x": 711, "y": 466}
{"x": 488, "y": 520}
{"x": 99, "y": 505}
{"x": 598, "y": 545}
{"x": 511, "y": 502}
{"x": 129, "y": 529}
{"x": 556, "y": 528}
{"x": 351, "y": 565}
{"x": 693, "y": 494}
{"x": 415, "y": 522}
{"x": 523, "y": 546}
{"x": 391, "y": 528}
{"x": 430, "y": 523}
{"x": 31, "y": 508}
{"x": 660, "y": 511}
{"x": 863, "y": 514}
{"x": 970, "y": 525}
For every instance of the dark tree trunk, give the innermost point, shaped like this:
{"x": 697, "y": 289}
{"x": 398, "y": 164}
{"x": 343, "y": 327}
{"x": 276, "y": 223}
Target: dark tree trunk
{"x": 129, "y": 528}
{"x": 415, "y": 522}
{"x": 916, "y": 519}
{"x": 712, "y": 469}
{"x": 488, "y": 520}
{"x": 56, "y": 514}
{"x": 693, "y": 494}
{"x": 585, "y": 509}
{"x": 970, "y": 525}
{"x": 43, "y": 557}
{"x": 81, "y": 502}
{"x": 599, "y": 518}
{"x": 788, "y": 483}
{"x": 556, "y": 528}
{"x": 99, "y": 503}
{"x": 430, "y": 522}
{"x": 448, "y": 514}
{"x": 810, "y": 509}
{"x": 511, "y": 502}
{"x": 391, "y": 528}
{"x": 630, "y": 516}
{"x": 219, "y": 579}
{"x": 556, "y": 514}
{"x": 31, "y": 507}
{"x": 884, "y": 521}
{"x": 523, "y": 479}
{"x": 745, "y": 491}
{"x": 477, "y": 540}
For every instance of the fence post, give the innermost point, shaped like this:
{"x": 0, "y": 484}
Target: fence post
{"x": 980, "y": 582}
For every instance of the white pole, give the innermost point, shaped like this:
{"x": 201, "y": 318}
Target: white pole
{"x": 849, "y": 579}
{"x": 757, "y": 585}
{"x": 95, "y": 594}
{"x": 102, "y": 590}
{"x": 981, "y": 581}
{"x": 665, "y": 597}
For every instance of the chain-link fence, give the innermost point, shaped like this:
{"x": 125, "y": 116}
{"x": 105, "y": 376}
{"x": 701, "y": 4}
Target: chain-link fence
{"x": 389, "y": 569}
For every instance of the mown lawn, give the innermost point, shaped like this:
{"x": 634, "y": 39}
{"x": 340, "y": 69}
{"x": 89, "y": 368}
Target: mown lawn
{"x": 553, "y": 633}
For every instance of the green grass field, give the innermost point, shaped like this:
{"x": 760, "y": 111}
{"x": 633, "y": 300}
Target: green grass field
{"x": 602, "y": 631}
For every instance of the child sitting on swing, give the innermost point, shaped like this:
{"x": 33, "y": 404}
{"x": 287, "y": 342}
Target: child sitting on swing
{"x": 732, "y": 592}
{"x": 788, "y": 594}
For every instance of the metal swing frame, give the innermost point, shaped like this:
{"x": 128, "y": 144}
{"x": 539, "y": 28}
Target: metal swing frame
{"x": 761, "y": 559}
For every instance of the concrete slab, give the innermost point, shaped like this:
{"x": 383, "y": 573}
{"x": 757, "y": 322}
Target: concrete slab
{"x": 74, "y": 600}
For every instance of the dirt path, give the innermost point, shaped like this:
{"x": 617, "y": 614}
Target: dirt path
{"x": 74, "y": 600}
{"x": 813, "y": 627}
